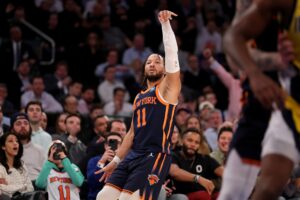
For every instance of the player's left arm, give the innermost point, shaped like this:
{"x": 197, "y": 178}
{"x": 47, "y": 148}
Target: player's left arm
{"x": 170, "y": 86}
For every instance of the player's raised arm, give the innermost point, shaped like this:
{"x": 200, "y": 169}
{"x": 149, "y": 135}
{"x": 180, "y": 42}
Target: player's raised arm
{"x": 242, "y": 29}
{"x": 170, "y": 86}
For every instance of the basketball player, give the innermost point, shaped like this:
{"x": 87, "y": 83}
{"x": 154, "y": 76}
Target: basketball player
{"x": 280, "y": 153}
{"x": 143, "y": 160}
{"x": 243, "y": 163}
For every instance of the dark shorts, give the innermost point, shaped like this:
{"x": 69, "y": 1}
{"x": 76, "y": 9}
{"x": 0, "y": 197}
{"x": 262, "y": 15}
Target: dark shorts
{"x": 146, "y": 173}
{"x": 247, "y": 140}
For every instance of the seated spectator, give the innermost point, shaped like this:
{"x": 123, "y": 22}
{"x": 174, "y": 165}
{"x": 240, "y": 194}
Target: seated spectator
{"x": 70, "y": 104}
{"x": 60, "y": 126}
{"x": 13, "y": 173}
{"x": 86, "y": 101}
{"x": 192, "y": 172}
{"x": 21, "y": 127}
{"x": 112, "y": 143}
{"x": 106, "y": 88}
{"x": 44, "y": 121}
{"x": 193, "y": 122}
{"x": 117, "y": 126}
{"x": 74, "y": 146}
{"x": 40, "y": 137}
{"x": 176, "y": 140}
{"x": 213, "y": 121}
{"x": 3, "y": 127}
{"x": 118, "y": 107}
{"x": 7, "y": 106}
{"x": 59, "y": 176}
{"x": 137, "y": 51}
{"x": 224, "y": 138}
{"x": 181, "y": 116}
{"x": 38, "y": 93}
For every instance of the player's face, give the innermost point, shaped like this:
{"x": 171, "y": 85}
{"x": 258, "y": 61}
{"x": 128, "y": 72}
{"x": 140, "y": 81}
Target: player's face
{"x": 191, "y": 143}
{"x": 154, "y": 68}
{"x": 224, "y": 141}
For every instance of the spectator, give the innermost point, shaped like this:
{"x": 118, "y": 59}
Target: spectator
{"x": 192, "y": 172}
{"x": 86, "y": 101}
{"x": 70, "y": 104}
{"x": 38, "y": 93}
{"x": 118, "y": 107}
{"x": 180, "y": 118}
{"x": 57, "y": 83}
{"x": 75, "y": 147}
{"x": 7, "y": 106}
{"x": 117, "y": 126}
{"x": 137, "y": 51}
{"x": 176, "y": 140}
{"x": 225, "y": 133}
{"x": 193, "y": 122}
{"x": 33, "y": 155}
{"x": 40, "y": 137}
{"x": 75, "y": 89}
{"x": 59, "y": 176}
{"x": 44, "y": 121}
{"x": 209, "y": 37}
{"x": 106, "y": 88}
{"x": 214, "y": 120}
{"x": 13, "y": 173}
{"x": 99, "y": 162}
{"x": 3, "y": 127}
{"x": 60, "y": 126}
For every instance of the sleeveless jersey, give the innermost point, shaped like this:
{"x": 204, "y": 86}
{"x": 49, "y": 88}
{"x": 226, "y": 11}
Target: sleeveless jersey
{"x": 153, "y": 122}
{"x": 60, "y": 186}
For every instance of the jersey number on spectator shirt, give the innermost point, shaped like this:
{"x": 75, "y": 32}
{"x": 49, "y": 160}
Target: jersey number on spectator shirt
{"x": 61, "y": 192}
{"x": 141, "y": 118}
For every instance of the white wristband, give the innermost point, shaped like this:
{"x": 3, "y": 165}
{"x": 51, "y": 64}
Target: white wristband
{"x": 116, "y": 159}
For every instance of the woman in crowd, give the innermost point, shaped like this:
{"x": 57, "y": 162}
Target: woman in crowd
{"x": 13, "y": 174}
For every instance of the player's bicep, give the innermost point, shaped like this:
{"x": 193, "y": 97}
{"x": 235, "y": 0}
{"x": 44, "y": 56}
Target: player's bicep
{"x": 170, "y": 87}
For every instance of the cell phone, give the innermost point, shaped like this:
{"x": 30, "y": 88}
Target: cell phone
{"x": 59, "y": 148}
{"x": 113, "y": 144}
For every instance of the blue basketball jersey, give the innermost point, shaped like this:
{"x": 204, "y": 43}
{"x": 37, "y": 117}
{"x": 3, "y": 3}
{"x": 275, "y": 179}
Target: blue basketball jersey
{"x": 153, "y": 122}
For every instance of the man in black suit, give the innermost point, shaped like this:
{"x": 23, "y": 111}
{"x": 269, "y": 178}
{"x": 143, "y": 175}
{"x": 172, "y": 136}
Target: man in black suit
{"x": 13, "y": 51}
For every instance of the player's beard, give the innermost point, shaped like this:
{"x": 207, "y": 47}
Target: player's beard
{"x": 154, "y": 78}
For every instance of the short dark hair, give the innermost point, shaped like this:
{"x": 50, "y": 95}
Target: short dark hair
{"x": 107, "y": 67}
{"x": 109, "y": 125}
{"x": 111, "y": 134}
{"x": 194, "y": 130}
{"x": 72, "y": 115}
{"x": 118, "y": 89}
{"x": 223, "y": 129}
{"x": 33, "y": 103}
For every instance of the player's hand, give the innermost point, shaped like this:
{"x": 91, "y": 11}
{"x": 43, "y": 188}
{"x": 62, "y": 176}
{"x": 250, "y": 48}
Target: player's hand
{"x": 165, "y": 15}
{"x": 266, "y": 90}
{"x": 168, "y": 189}
{"x": 285, "y": 49}
{"x": 207, "y": 184}
{"x": 108, "y": 170}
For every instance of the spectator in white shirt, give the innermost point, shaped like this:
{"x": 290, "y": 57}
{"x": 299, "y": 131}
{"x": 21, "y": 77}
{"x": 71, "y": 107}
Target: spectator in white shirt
{"x": 38, "y": 93}
{"x": 106, "y": 88}
{"x": 21, "y": 127}
{"x": 118, "y": 107}
{"x": 137, "y": 51}
{"x": 40, "y": 137}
